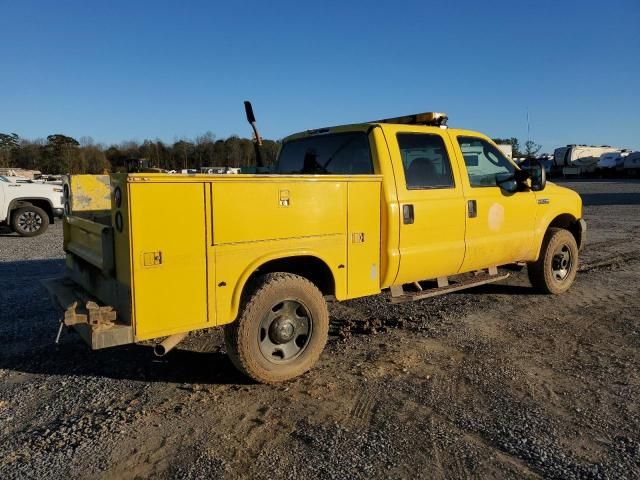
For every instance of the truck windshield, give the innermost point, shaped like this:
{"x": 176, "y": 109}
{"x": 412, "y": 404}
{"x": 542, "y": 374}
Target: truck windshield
{"x": 338, "y": 153}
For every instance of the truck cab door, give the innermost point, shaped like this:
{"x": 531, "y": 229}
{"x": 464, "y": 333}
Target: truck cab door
{"x": 432, "y": 207}
{"x": 499, "y": 225}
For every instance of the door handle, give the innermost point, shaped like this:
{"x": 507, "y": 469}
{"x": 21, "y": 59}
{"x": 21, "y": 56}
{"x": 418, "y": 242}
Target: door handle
{"x": 407, "y": 214}
{"x": 472, "y": 209}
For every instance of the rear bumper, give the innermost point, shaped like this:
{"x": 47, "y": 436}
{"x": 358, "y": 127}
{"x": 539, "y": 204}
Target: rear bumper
{"x": 97, "y": 324}
{"x": 58, "y": 212}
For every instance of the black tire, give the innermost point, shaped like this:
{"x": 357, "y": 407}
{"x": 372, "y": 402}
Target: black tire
{"x": 29, "y": 221}
{"x": 557, "y": 265}
{"x": 268, "y": 342}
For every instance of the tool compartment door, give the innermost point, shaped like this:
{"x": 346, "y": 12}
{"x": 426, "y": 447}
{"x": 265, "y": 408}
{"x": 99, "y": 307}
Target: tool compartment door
{"x": 363, "y": 239}
{"x": 169, "y": 258}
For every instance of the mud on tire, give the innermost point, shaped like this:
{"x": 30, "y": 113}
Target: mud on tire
{"x": 556, "y": 267}
{"x": 281, "y": 330}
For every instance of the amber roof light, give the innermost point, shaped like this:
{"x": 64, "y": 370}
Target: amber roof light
{"x": 436, "y": 119}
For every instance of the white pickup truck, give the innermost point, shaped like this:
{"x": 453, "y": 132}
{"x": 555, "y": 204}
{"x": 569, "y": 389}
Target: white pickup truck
{"x": 28, "y": 207}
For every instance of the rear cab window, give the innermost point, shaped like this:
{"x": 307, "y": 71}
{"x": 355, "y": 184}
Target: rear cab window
{"x": 344, "y": 153}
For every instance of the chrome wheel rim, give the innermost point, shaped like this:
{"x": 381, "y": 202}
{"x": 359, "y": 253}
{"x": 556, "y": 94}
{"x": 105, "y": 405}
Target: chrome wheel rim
{"x": 561, "y": 263}
{"x": 285, "y": 331}
{"x": 29, "y": 222}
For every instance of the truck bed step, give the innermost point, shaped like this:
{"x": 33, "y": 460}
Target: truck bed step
{"x": 398, "y": 295}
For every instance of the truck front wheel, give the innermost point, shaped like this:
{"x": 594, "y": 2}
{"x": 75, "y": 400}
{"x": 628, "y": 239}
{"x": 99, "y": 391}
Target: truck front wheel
{"x": 556, "y": 267}
{"x": 29, "y": 221}
{"x": 282, "y": 328}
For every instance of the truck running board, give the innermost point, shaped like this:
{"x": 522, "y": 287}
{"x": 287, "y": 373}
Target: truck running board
{"x": 398, "y": 295}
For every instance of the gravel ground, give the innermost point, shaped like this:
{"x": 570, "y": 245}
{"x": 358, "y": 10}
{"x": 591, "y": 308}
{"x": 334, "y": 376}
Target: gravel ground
{"x": 493, "y": 382}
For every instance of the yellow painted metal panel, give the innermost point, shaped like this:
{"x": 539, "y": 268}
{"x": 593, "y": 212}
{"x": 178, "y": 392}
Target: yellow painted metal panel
{"x": 434, "y": 244}
{"x": 170, "y": 292}
{"x": 255, "y": 211}
{"x": 363, "y": 239}
{"x": 211, "y": 257}
{"x": 554, "y": 201}
{"x": 246, "y": 178}
{"x": 236, "y": 262}
{"x": 389, "y": 210}
{"x": 89, "y": 193}
{"x": 503, "y": 230}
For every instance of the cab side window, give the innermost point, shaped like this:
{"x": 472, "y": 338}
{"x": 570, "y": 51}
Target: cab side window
{"x": 425, "y": 161}
{"x": 483, "y": 161}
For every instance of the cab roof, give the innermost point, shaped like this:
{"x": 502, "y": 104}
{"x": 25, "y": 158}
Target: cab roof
{"x": 428, "y": 120}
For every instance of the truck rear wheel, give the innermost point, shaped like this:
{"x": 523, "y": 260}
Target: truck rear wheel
{"x": 282, "y": 328}
{"x": 29, "y": 221}
{"x": 556, "y": 267}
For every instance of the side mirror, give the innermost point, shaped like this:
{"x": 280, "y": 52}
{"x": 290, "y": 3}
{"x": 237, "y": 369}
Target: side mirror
{"x": 507, "y": 182}
{"x": 537, "y": 173}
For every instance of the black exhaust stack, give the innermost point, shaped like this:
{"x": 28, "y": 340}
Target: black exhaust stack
{"x": 257, "y": 140}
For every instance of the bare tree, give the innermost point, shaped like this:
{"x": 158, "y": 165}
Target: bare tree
{"x": 531, "y": 148}
{"x": 86, "y": 141}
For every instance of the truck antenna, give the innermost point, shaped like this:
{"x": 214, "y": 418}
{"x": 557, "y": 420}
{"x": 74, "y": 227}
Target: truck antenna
{"x": 257, "y": 140}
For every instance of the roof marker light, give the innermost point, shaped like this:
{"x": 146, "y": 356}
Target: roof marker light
{"x": 435, "y": 119}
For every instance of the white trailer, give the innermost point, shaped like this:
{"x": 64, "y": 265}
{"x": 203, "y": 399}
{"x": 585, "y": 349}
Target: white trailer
{"x": 612, "y": 161}
{"x": 506, "y": 148}
{"x": 631, "y": 164}
{"x": 579, "y": 159}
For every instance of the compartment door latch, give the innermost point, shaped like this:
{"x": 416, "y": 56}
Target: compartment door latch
{"x": 152, "y": 258}
{"x": 284, "y": 198}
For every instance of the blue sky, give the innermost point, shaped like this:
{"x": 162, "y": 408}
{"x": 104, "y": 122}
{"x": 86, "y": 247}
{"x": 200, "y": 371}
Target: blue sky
{"x": 156, "y": 69}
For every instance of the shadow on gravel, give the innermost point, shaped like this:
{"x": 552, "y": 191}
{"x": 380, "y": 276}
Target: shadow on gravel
{"x": 7, "y": 232}
{"x": 28, "y": 325}
{"x": 15, "y": 272}
{"x": 628, "y": 198}
{"x": 133, "y": 362}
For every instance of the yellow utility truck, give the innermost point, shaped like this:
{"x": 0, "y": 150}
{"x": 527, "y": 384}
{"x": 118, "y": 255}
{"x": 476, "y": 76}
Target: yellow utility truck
{"x": 404, "y": 204}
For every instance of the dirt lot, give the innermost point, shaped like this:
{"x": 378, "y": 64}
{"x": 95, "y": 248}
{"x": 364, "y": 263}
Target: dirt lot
{"x": 494, "y": 382}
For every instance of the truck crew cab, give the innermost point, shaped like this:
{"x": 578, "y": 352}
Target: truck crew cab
{"x": 403, "y": 204}
{"x": 28, "y": 207}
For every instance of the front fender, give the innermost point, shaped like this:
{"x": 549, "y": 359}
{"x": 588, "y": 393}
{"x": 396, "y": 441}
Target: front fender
{"x": 559, "y": 207}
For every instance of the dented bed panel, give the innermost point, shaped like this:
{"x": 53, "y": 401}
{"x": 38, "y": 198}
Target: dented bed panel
{"x": 88, "y": 193}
